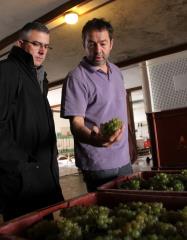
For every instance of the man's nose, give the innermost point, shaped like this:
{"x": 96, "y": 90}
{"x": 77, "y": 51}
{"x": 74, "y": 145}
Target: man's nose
{"x": 41, "y": 49}
{"x": 98, "y": 48}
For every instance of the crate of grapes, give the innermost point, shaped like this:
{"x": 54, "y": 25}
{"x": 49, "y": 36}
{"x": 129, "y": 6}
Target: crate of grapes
{"x": 168, "y": 182}
{"x": 105, "y": 216}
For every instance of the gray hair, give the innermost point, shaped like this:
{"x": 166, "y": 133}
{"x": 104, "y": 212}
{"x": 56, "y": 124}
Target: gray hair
{"x": 32, "y": 26}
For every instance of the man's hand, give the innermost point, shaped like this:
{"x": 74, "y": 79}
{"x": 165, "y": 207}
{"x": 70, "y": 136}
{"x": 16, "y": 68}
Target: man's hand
{"x": 99, "y": 140}
{"x": 93, "y": 136}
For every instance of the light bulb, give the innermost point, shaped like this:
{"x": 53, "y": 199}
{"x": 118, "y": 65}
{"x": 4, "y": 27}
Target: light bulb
{"x": 71, "y": 18}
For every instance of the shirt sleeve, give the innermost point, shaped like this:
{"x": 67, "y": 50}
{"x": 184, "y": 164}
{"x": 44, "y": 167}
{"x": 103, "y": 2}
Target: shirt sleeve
{"x": 74, "y": 97}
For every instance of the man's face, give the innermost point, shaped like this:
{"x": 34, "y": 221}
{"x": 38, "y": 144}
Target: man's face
{"x": 37, "y": 45}
{"x": 98, "y": 46}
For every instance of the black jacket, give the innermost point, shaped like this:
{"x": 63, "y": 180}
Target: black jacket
{"x": 29, "y": 177}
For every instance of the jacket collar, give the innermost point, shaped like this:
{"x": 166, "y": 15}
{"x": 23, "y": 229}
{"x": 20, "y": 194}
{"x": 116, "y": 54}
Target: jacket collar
{"x": 22, "y": 56}
{"x": 26, "y": 61}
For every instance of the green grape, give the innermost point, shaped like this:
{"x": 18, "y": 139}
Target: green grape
{"x": 183, "y": 214}
{"x": 69, "y": 230}
{"x": 110, "y": 127}
{"x": 165, "y": 229}
{"x": 178, "y": 185}
{"x": 184, "y": 172}
{"x": 133, "y": 184}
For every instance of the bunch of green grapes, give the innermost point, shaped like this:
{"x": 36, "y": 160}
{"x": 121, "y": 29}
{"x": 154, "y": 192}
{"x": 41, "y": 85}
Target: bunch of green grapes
{"x": 69, "y": 230}
{"x": 133, "y": 184}
{"x": 110, "y": 127}
{"x": 183, "y": 214}
{"x": 92, "y": 219}
{"x": 159, "y": 182}
{"x": 165, "y": 181}
{"x": 98, "y": 217}
{"x": 183, "y": 178}
{"x": 76, "y": 214}
{"x": 164, "y": 229}
{"x": 132, "y": 218}
{"x": 177, "y": 185}
{"x": 129, "y": 221}
{"x": 184, "y": 172}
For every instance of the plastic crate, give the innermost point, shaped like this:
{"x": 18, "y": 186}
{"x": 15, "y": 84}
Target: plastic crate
{"x": 10, "y": 238}
{"x": 114, "y": 185}
{"x": 109, "y": 199}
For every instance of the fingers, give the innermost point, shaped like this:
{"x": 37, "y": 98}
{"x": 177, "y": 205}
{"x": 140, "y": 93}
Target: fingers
{"x": 102, "y": 141}
{"x": 117, "y": 135}
{"x": 95, "y": 129}
{"x": 114, "y": 138}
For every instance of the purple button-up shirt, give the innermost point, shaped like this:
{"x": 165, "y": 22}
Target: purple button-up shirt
{"x": 98, "y": 97}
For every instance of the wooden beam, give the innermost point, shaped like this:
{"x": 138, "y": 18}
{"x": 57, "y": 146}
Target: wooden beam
{"x": 44, "y": 19}
{"x": 160, "y": 53}
{"x": 55, "y": 83}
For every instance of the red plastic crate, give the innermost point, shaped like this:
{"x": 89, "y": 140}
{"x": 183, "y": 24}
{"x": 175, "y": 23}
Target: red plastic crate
{"x": 109, "y": 199}
{"x": 113, "y": 185}
{"x": 10, "y": 238}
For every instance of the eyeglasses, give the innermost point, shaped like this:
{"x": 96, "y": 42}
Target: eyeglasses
{"x": 37, "y": 44}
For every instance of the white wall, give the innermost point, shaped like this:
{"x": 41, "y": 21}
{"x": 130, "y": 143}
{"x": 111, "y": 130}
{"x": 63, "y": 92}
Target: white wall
{"x": 61, "y": 125}
{"x": 132, "y": 77}
{"x": 54, "y": 96}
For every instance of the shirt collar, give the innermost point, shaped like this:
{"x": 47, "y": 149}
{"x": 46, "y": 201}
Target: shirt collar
{"x": 92, "y": 68}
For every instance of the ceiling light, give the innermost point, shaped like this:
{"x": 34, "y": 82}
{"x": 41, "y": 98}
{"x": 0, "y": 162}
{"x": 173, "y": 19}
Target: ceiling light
{"x": 71, "y": 17}
{"x": 80, "y": 10}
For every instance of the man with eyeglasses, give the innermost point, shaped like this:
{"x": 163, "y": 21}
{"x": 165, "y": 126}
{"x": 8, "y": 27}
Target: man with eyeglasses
{"x": 29, "y": 177}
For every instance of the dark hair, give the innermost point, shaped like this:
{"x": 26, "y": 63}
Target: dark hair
{"x": 97, "y": 24}
{"x": 32, "y": 26}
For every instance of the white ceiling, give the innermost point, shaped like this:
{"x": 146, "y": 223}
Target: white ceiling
{"x": 15, "y": 13}
{"x": 141, "y": 27}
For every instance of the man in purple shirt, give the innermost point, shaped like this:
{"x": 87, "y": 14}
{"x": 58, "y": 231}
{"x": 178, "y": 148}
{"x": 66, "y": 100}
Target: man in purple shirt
{"x": 93, "y": 93}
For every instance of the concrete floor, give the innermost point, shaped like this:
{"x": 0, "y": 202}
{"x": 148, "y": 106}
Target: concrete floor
{"x": 72, "y": 186}
{"x": 72, "y": 183}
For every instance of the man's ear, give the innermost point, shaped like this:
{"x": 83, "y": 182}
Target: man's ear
{"x": 83, "y": 43}
{"x": 111, "y": 43}
{"x": 19, "y": 43}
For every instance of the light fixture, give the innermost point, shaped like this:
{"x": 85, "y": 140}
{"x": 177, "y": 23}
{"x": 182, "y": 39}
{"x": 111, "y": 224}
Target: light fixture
{"x": 79, "y": 10}
{"x": 71, "y": 17}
